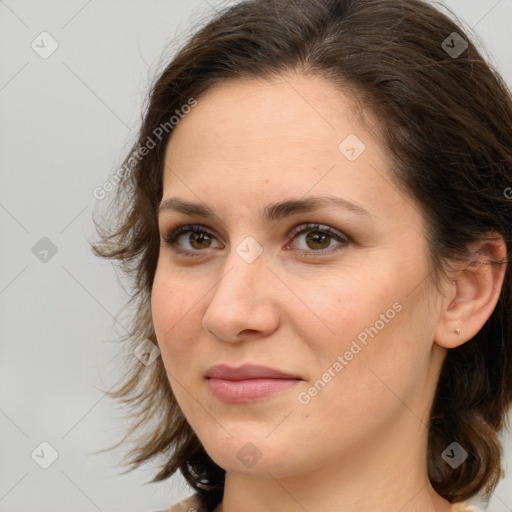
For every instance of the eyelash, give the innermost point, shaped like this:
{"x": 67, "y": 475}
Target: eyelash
{"x": 299, "y": 230}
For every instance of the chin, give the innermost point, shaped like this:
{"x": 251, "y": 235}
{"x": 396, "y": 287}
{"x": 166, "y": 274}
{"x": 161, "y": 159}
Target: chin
{"x": 254, "y": 456}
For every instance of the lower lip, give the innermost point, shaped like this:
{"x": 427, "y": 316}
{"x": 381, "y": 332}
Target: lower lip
{"x": 249, "y": 390}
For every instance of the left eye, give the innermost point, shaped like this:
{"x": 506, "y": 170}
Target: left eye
{"x": 318, "y": 238}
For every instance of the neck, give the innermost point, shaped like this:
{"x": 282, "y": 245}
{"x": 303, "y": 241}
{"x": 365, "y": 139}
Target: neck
{"x": 388, "y": 474}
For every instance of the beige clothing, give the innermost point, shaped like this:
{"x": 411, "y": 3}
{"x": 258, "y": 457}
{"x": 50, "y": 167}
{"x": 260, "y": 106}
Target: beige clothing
{"x": 191, "y": 504}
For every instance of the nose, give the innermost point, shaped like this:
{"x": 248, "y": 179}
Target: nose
{"x": 244, "y": 301}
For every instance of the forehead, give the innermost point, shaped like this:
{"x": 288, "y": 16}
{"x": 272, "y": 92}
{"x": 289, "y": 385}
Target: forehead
{"x": 269, "y": 138}
{"x": 287, "y": 115}
{"x": 283, "y": 119}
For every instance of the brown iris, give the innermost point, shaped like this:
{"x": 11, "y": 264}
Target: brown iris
{"x": 316, "y": 238}
{"x": 200, "y": 238}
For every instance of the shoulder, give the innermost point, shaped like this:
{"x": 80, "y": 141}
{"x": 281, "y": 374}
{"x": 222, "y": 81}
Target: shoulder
{"x": 190, "y": 504}
{"x": 463, "y": 507}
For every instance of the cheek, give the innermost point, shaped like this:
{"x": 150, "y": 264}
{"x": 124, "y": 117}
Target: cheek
{"x": 176, "y": 323}
{"x": 163, "y": 306}
{"x": 175, "y": 320}
{"x": 365, "y": 326}
{"x": 172, "y": 300}
{"x": 344, "y": 308}
{"x": 384, "y": 359}
{"x": 362, "y": 373}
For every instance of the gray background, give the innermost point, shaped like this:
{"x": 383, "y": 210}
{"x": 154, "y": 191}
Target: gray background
{"x": 66, "y": 122}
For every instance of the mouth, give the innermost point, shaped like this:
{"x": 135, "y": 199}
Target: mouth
{"x": 248, "y": 390}
{"x": 247, "y": 383}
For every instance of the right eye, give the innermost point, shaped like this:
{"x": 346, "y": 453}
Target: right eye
{"x": 198, "y": 239}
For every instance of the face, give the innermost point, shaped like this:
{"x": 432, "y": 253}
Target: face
{"x": 333, "y": 294}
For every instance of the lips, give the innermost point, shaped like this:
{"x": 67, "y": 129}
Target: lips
{"x": 248, "y": 383}
{"x": 248, "y": 371}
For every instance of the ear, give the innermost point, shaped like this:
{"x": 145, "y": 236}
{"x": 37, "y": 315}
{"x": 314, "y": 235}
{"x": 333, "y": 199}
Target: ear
{"x": 472, "y": 292}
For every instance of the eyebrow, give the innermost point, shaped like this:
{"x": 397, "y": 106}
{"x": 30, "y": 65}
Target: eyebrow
{"x": 273, "y": 211}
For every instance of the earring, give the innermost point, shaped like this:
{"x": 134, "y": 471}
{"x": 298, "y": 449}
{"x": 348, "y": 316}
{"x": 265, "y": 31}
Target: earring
{"x": 457, "y": 331}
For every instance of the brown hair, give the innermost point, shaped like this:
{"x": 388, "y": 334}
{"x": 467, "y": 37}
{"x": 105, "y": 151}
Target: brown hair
{"x": 445, "y": 115}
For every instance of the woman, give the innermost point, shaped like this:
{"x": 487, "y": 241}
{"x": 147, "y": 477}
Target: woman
{"x": 317, "y": 220}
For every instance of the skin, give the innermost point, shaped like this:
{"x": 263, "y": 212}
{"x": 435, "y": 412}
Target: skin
{"x": 361, "y": 442}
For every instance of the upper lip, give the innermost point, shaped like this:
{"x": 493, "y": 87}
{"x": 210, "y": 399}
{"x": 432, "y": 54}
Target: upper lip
{"x": 247, "y": 371}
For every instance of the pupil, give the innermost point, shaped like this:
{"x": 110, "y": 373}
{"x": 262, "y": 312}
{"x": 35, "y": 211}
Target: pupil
{"x": 317, "y": 238}
{"x": 198, "y": 237}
